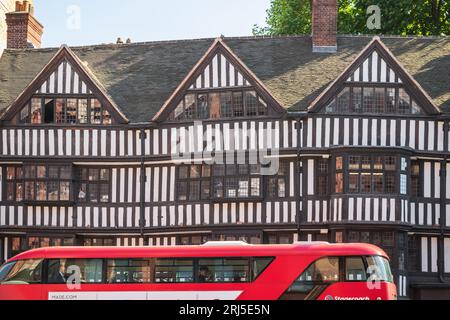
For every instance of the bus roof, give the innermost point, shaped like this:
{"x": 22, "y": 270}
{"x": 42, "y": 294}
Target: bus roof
{"x": 319, "y": 249}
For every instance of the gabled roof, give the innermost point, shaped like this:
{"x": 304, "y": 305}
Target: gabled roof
{"x": 197, "y": 76}
{"x": 141, "y": 77}
{"x": 86, "y": 78}
{"x": 376, "y": 49}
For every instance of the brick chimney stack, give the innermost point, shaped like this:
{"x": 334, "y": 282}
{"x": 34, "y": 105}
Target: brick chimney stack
{"x": 324, "y": 25}
{"x": 24, "y": 31}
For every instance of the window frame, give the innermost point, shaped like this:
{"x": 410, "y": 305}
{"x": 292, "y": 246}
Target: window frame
{"x": 47, "y": 180}
{"x": 80, "y": 181}
{"x": 105, "y": 112}
{"x": 231, "y": 111}
{"x": 332, "y": 106}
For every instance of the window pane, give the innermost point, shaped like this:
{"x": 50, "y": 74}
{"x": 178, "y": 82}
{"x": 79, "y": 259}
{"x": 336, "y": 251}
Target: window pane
{"x": 355, "y": 269}
{"x": 339, "y": 183}
{"x": 379, "y": 104}
{"x": 64, "y": 191}
{"x": 82, "y": 192}
{"x": 323, "y": 271}
{"x": 189, "y": 110}
{"x": 206, "y": 193}
{"x": 206, "y": 171}
{"x": 10, "y": 191}
{"x": 60, "y": 111}
{"x": 41, "y": 172}
{"x": 19, "y": 192}
{"x": 226, "y": 104}
{"x": 36, "y": 111}
{"x": 25, "y": 114}
{"x": 41, "y": 191}
{"x": 404, "y": 103}
{"x": 130, "y": 271}
{"x": 238, "y": 105}
{"x": 83, "y": 111}
{"x": 195, "y": 171}
{"x": 93, "y": 174}
{"x": 255, "y": 187}
{"x": 106, "y": 117}
{"x": 231, "y": 187}
{"x": 174, "y": 271}
{"x": 10, "y": 173}
{"x": 104, "y": 174}
{"x": 281, "y": 188}
{"x": 93, "y": 193}
{"x": 262, "y": 107}
{"x": 353, "y": 183}
{"x": 223, "y": 270}
{"x": 87, "y": 270}
{"x": 378, "y": 183}
{"x": 183, "y": 172}
{"x": 104, "y": 193}
{"x": 53, "y": 172}
{"x": 218, "y": 188}
{"x": 357, "y": 99}
{"x": 366, "y": 183}
{"x": 366, "y": 163}
{"x": 243, "y": 188}
{"x": 214, "y": 105}
{"x": 390, "y": 184}
{"x": 369, "y": 100}
{"x": 53, "y": 191}
{"x": 96, "y": 112}
{"x": 343, "y": 101}
{"x": 26, "y": 272}
{"x": 378, "y": 163}
{"x": 182, "y": 191}
{"x": 391, "y": 100}
{"x": 72, "y": 106}
{"x": 194, "y": 191}
{"x": 354, "y": 163}
{"x": 66, "y": 172}
{"x": 202, "y": 106}
{"x": 390, "y": 163}
{"x": 339, "y": 163}
{"x": 29, "y": 191}
{"x": 251, "y": 103}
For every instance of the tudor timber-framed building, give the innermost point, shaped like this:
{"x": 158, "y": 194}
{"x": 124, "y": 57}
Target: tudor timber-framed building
{"x": 94, "y": 142}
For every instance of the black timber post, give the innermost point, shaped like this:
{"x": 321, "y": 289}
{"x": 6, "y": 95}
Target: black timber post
{"x": 443, "y": 207}
{"x": 143, "y": 179}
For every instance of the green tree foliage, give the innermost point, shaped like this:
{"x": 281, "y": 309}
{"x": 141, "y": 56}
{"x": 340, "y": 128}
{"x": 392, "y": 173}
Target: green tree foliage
{"x": 400, "y": 17}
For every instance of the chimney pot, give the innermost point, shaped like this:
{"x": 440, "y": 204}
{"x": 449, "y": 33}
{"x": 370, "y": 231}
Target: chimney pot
{"x": 119, "y": 41}
{"x": 324, "y": 25}
{"x": 128, "y": 40}
{"x": 23, "y": 30}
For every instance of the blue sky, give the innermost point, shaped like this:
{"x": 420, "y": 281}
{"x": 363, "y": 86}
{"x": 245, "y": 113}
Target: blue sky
{"x": 84, "y": 22}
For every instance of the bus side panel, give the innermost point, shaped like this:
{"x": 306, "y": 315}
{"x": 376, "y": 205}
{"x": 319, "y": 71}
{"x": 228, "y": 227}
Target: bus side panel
{"x": 172, "y": 291}
{"x": 277, "y": 278}
{"x": 360, "y": 291}
{"x": 21, "y": 292}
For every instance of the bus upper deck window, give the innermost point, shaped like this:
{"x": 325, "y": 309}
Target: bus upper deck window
{"x": 355, "y": 270}
{"x": 379, "y": 269}
{"x": 87, "y": 270}
{"x": 323, "y": 270}
{"x": 24, "y": 272}
{"x": 5, "y": 269}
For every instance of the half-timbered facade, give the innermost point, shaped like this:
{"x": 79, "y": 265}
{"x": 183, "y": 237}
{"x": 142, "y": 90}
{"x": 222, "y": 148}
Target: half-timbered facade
{"x": 256, "y": 139}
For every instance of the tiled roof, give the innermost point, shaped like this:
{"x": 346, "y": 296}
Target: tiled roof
{"x": 140, "y": 77}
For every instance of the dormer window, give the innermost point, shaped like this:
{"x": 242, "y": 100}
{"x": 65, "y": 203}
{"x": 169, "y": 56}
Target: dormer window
{"x": 373, "y": 100}
{"x": 55, "y": 110}
{"x": 219, "y": 105}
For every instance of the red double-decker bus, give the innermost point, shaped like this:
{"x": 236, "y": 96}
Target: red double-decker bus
{"x": 214, "y": 271}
